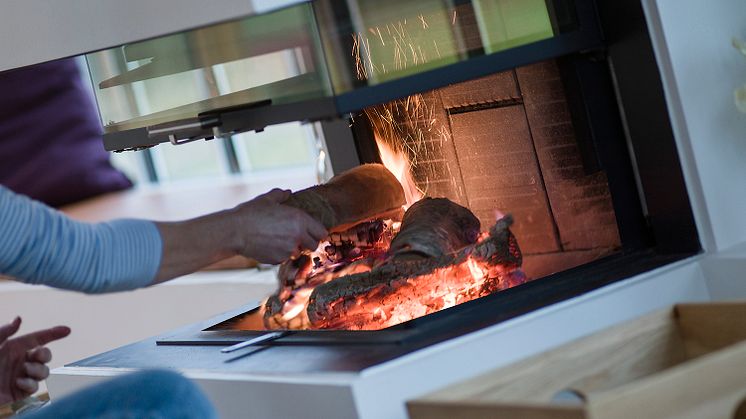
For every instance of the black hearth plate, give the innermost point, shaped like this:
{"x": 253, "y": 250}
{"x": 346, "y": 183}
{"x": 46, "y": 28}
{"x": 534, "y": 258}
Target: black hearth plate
{"x": 245, "y": 323}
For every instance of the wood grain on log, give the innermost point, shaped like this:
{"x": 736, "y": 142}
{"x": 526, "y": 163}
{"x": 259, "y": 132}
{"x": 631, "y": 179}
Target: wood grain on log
{"x": 366, "y": 192}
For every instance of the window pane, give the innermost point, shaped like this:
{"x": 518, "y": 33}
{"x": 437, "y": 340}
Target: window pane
{"x": 193, "y": 160}
{"x": 278, "y": 146}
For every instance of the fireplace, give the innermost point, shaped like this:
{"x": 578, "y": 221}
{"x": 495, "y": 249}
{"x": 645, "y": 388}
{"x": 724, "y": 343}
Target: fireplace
{"x": 549, "y": 114}
{"x": 567, "y": 134}
{"x": 566, "y": 130}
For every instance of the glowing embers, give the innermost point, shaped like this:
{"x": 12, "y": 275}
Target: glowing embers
{"x": 407, "y": 286}
{"x": 374, "y": 277}
{"x": 354, "y": 251}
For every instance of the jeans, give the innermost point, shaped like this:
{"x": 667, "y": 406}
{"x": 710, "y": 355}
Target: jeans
{"x": 148, "y": 394}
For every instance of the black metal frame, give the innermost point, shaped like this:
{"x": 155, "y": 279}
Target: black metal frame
{"x": 621, "y": 92}
{"x": 257, "y": 116}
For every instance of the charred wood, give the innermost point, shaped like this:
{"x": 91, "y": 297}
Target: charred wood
{"x": 405, "y": 288}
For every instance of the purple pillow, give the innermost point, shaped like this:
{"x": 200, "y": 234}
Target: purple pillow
{"x": 50, "y": 136}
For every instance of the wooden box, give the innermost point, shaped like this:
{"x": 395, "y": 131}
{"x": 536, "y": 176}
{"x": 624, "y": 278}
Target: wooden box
{"x": 684, "y": 362}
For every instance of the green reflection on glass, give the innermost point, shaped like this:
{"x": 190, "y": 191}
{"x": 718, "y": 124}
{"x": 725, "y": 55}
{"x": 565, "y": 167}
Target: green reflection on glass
{"x": 506, "y": 24}
{"x": 397, "y": 39}
{"x": 200, "y": 159}
{"x": 278, "y": 146}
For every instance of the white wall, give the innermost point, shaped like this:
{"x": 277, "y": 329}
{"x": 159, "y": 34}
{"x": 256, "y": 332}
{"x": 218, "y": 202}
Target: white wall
{"x": 33, "y": 31}
{"x": 700, "y": 71}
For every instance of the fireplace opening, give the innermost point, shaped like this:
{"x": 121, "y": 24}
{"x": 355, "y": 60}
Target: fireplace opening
{"x": 498, "y": 159}
{"x": 504, "y": 144}
{"x": 573, "y": 151}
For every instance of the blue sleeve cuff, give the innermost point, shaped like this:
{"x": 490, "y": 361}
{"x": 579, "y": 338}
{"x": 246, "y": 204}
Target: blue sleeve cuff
{"x": 133, "y": 254}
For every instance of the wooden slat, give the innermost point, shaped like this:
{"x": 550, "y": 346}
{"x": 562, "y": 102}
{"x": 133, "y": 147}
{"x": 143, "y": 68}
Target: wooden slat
{"x": 682, "y": 363}
{"x": 709, "y": 327}
{"x": 717, "y": 380}
{"x": 613, "y": 357}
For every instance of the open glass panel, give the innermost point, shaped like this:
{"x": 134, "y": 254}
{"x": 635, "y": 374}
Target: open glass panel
{"x": 274, "y": 57}
{"x": 331, "y": 54}
{"x": 371, "y": 42}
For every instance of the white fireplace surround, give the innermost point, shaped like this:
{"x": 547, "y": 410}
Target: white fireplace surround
{"x": 699, "y": 70}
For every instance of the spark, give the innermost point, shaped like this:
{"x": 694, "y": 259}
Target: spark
{"x": 373, "y": 66}
{"x": 360, "y": 70}
{"x": 399, "y": 31}
{"x": 424, "y": 22}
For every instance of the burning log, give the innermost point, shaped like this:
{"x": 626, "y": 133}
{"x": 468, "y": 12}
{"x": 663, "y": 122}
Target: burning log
{"x": 373, "y": 273}
{"x": 435, "y": 263}
{"x": 433, "y": 228}
{"x": 352, "y": 206}
{"x": 366, "y": 192}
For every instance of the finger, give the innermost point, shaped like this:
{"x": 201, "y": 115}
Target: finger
{"x": 308, "y": 242}
{"x": 8, "y": 330}
{"x": 275, "y": 195}
{"x": 27, "y": 385}
{"x": 36, "y": 370}
{"x": 316, "y": 229}
{"x": 42, "y": 337}
{"x": 39, "y": 354}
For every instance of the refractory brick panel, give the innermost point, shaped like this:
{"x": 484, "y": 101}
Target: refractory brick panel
{"x": 500, "y": 172}
{"x": 581, "y": 202}
{"x": 506, "y": 143}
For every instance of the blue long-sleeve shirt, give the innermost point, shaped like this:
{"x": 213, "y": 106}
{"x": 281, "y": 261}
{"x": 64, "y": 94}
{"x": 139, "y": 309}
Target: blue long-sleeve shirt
{"x": 39, "y": 245}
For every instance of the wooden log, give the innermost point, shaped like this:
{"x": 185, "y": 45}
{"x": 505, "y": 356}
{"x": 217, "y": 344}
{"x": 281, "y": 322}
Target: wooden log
{"x": 367, "y": 192}
{"x": 434, "y": 227}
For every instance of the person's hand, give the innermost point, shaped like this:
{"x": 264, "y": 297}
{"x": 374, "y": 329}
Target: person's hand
{"x": 23, "y": 359}
{"x": 271, "y": 232}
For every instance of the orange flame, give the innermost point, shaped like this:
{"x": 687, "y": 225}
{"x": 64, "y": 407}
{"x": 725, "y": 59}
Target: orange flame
{"x": 421, "y": 295}
{"x": 399, "y": 165}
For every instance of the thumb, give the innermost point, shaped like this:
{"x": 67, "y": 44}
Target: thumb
{"x": 8, "y": 330}
{"x": 275, "y": 195}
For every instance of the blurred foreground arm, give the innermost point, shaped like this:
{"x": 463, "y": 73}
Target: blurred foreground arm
{"x": 39, "y": 245}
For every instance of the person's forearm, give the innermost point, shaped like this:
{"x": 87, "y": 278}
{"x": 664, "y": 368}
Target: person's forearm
{"x": 193, "y": 244}
{"x": 39, "y": 245}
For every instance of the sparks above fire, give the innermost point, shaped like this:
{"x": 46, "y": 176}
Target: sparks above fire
{"x": 383, "y": 266}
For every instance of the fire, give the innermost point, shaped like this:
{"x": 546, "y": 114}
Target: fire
{"x": 399, "y": 165}
{"x": 427, "y": 286}
{"x": 319, "y": 267}
{"x": 422, "y": 295}
{"x": 402, "y": 290}
{"x": 407, "y": 289}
